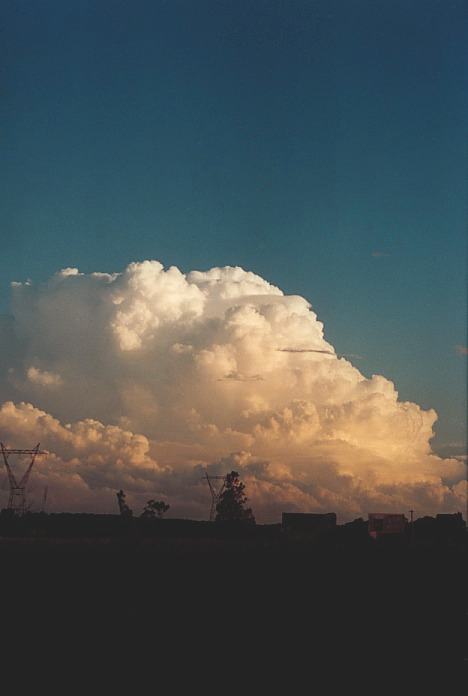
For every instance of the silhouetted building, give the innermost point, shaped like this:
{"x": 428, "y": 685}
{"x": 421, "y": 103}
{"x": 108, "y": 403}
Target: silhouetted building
{"x": 308, "y": 522}
{"x": 451, "y": 522}
{"x": 383, "y": 523}
{"x": 441, "y": 530}
{"x": 450, "y": 528}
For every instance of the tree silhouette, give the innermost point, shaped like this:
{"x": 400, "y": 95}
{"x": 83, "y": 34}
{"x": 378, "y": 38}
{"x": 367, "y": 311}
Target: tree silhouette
{"x": 231, "y": 505}
{"x": 125, "y": 511}
{"x": 155, "y": 508}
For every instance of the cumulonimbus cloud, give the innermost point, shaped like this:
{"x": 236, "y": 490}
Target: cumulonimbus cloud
{"x": 141, "y": 379}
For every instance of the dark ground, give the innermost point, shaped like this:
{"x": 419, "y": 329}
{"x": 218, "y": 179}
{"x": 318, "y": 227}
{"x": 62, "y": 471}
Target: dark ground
{"x": 261, "y": 603}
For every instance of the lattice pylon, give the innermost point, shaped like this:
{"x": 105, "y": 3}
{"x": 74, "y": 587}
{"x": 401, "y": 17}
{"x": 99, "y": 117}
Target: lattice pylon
{"x": 216, "y": 485}
{"x": 17, "y": 496}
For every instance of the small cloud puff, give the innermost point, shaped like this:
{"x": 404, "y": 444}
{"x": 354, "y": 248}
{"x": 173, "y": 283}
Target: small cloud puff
{"x": 43, "y": 378}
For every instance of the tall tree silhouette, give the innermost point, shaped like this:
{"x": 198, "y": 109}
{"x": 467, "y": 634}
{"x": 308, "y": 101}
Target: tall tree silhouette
{"x": 231, "y": 505}
{"x": 125, "y": 511}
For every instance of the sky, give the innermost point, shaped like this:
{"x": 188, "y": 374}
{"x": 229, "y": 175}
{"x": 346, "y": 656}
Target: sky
{"x": 319, "y": 145}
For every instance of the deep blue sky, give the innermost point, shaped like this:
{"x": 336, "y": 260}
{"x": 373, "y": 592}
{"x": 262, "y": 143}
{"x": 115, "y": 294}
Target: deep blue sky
{"x": 294, "y": 138}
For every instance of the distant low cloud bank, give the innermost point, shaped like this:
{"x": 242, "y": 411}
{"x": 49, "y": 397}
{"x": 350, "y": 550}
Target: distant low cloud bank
{"x": 141, "y": 379}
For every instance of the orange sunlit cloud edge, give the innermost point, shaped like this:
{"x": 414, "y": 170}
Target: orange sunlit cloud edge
{"x": 139, "y": 380}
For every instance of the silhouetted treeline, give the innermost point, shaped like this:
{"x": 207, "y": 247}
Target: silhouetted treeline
{"x": 82, "y": 525}
{"x": 442, "y": 530}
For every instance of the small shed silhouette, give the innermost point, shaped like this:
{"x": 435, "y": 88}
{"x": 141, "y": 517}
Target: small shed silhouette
{"x": 384, "y": 523}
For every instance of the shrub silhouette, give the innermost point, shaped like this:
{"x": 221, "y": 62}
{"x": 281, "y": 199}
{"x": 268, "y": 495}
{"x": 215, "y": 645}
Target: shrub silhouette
{"x": 155, "y": 508}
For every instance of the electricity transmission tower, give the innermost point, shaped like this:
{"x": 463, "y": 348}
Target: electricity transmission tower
{"x": 17, "y": 497}
{"x": 216, "y": 485}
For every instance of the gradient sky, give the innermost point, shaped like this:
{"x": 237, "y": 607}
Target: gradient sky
{"x": 319, "y": 144}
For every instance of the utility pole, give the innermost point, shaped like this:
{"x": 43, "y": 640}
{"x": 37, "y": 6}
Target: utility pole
{"x": 17, "y": 497}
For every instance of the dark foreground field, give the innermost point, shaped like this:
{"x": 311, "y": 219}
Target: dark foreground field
{"x": 239, "y": 602}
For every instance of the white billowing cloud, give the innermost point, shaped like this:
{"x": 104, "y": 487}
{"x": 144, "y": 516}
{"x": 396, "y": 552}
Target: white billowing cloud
{"x": 84, "y": 458}
{"x": 151, "y": 374}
